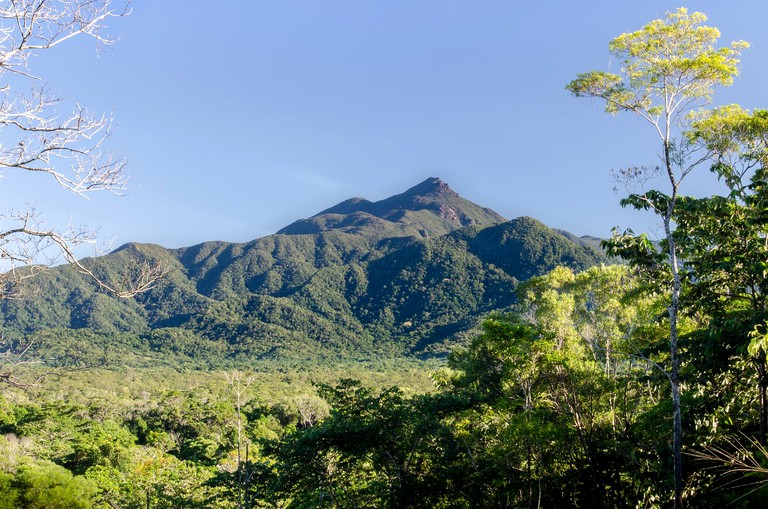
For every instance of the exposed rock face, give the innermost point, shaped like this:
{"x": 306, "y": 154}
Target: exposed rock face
{"x": 448, "y": 213}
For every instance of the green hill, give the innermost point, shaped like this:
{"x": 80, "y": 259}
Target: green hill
{"x": 403, "y": 276}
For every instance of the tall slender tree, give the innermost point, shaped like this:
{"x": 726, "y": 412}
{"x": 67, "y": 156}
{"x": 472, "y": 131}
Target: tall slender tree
{"x": 669, "y": 68}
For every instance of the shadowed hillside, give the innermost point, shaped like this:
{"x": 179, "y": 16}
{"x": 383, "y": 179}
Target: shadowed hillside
{"x": 401, "y": 276}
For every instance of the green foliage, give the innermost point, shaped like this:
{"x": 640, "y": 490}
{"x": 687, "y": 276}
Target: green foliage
{"x": 676, "y": 54}
{"x": 559, "y": 400}
{"x": 412, "y": 281}
{"x": 564, "y": 412}
{"x": 43, "y": 485}
{"x": 373, "y": 451}
{"x": 518, "y": 420}
{"x": 669, "y": 68}
{"x": 167, "y": 438}
{"x": 563, "y": 409}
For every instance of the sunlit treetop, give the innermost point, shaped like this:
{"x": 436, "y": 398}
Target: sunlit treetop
{"x": 668, "y": 67}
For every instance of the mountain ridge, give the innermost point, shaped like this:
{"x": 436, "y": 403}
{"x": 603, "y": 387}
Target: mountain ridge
{"x": 411, "y": 280}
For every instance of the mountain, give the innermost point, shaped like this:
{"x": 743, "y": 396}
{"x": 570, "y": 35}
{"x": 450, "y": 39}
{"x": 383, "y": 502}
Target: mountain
{"x": 427, "y": 210}
{"x": 584, "y": 240}
{"x": 408, "y": 275}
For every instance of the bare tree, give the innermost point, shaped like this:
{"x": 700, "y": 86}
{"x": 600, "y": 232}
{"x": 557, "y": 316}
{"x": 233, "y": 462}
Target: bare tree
{"x": 312, "y": 409}
{"x": 11, "y": 360}
{"x": 68, "y": 148}
{"x": 240, "y": 384}
{"x": 39, "y": 139}
{"x": 20, "y": 369}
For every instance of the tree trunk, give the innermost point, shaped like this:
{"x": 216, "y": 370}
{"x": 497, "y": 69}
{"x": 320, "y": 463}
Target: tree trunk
{"x": 674, "y": 305}
{"x": 677, "y": 444}
{"x": 762, "y": 383}
{"x": 674, "y": 380}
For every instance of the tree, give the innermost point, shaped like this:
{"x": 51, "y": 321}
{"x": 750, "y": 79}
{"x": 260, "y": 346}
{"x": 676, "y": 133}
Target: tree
{"x": 37, "y": 139}
{"x": 154, "y": 480}
{"x": 670, "y": 67}
{"x": 377, "y": 448}
{"x": 69, "y": 149}
{"x": 239, "y": 386}
{"x": 723, "y": 240}
{"x": 600, "y": 326}
{"x": 45, "y": 485}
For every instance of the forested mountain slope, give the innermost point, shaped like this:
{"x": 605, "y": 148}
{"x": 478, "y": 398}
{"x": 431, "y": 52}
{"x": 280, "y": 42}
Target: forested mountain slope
{"x": 405, "y": 275}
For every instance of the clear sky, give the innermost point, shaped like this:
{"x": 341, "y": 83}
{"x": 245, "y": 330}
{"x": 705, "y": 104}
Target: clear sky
{"x": 239, "y": 117}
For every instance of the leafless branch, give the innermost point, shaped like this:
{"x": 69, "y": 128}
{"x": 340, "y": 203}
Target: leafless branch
{"x": 11, "y": 360}
{"x": 21, "y": 368}
{"x": 69, "y": 148}
{"x": 30, "y": 247}
{"x": 633, "y": 179}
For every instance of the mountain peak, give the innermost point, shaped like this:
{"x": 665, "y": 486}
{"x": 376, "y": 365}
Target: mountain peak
{"x": 426, "y": 209}
{"x": 433, "y": 186}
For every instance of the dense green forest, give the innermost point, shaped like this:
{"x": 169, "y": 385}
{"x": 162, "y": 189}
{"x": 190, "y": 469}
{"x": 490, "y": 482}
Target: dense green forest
{"x": 561, "y": 404}
{"x": 410, "y": 275}
{"x": 567, "y": 382}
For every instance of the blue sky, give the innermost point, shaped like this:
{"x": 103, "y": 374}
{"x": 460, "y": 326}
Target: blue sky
{"x": 239, "y": 117}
